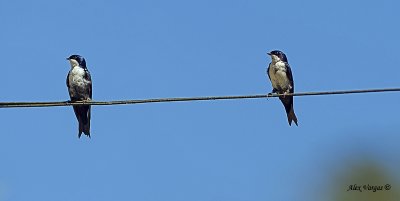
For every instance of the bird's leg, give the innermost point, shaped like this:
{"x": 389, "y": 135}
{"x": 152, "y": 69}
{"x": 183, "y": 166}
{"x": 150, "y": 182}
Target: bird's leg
{"x": 286, "y": 92}
{"x": 273, "y": 92}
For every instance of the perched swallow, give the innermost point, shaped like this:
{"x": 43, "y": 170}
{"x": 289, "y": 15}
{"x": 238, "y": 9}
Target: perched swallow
{"x": 79, "y": 85}
{"x": 280, "y": 74}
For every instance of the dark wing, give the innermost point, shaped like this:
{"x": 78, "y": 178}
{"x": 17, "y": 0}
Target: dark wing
{"x": 89, "y": 79}
{"x": 69, "y": 92}
{"x": 290, "y": 76}
{"x": 67, "y": 80}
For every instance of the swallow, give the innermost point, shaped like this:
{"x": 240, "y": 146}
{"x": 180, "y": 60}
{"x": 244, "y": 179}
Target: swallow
{"x": 79, "y": 83}
{"x": 281, "y": 78}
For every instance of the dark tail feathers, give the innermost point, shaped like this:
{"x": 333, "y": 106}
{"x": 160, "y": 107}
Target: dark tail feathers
{"x": 83, "y": 115}
{"x": 288, "y": 103}
{"x": 291, "y": 116}
{"x": 84, "y": 128}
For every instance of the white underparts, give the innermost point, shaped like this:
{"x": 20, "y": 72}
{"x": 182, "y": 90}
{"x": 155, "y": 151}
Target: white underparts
{"x": 279, "y": 79}
{"x": 77, "y": 81}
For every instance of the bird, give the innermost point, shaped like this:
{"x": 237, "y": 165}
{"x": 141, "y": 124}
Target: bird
{"x": 79, "y": 83}
{"x": 280, "y": 75}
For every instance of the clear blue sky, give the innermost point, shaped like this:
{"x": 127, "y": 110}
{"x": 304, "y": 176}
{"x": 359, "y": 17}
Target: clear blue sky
{"x": 217, "y": 150}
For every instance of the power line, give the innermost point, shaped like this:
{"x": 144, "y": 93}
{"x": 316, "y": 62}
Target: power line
{"x": 160, "y": 100}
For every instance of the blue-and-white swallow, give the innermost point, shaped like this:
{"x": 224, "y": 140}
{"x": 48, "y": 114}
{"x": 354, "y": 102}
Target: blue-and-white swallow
{"x": 281, "y": 77}
{"x": 79, "y": 85}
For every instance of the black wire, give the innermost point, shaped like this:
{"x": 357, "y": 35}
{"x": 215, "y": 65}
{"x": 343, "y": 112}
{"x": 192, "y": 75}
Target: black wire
{"x": 160, "y": 100}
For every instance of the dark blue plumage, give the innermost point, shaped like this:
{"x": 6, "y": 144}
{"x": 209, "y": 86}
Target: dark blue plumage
{"x": 79, "y": 83}
{"x": 280, "y": 74}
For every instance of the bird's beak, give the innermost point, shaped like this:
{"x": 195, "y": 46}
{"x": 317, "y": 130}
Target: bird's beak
{"x": 269, "y": 53}
{"x": 67, "y": 58}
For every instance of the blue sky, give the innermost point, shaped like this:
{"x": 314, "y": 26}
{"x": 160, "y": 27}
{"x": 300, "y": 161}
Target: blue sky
{"x": 217, "y": 150}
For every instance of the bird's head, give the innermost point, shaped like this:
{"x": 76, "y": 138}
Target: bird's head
{"x": 77, "y": 60}
{"x": 277, "y": 55}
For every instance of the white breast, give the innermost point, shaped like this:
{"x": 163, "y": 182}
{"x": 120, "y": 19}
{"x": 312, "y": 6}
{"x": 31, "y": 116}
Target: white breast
{"x": 279, "y": 79}
{"x": 77, "y": 83}
{"x": 76, "y": 76}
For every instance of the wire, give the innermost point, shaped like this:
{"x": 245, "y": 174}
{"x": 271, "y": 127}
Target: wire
{"x": 160, "y": 100}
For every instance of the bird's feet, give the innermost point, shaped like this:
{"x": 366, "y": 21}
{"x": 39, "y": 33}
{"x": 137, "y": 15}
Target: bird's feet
{"x": 272, "y": 92}
{"x": 285, "y": 93}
